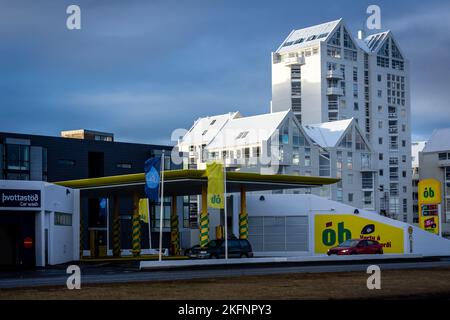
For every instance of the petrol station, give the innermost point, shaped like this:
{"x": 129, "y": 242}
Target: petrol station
{"x": 44, "y": 223}
{"x": 178, "y": 183}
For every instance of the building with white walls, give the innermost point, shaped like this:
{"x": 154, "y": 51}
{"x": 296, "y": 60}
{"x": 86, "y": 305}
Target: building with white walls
{"x": 434, "y": 163}
{"x": 298, "y": 224}
{"x": 276, "y": 143}
{"x": 322, "y": 73}
{"x": 39, "y": 224}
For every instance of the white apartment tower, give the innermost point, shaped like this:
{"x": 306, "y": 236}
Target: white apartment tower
{"x": 323, "y": 73}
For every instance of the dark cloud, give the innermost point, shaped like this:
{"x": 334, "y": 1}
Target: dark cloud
{"x": 143, "y": 68}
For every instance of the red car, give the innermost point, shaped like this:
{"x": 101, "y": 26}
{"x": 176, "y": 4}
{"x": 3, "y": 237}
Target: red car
{"x": 357, "y": 246}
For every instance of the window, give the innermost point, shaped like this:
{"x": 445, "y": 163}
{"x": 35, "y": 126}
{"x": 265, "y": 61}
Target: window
{"x": 380, "y": 124}
{"x": 212, "y": 122}
{"x": 284, "y": 134}
{"x": 242, "y": 135}
{"x": 350, "y": 197}
{"x": 368, "y": 199}
{"x": 66, "y": 162}
{"x": 380, "y": 140}
{"x": 442, "y": 156}
{"x": 296, "y": 155}
{"x": 381, "y": 172}
{"x": 365, "y": 161}
{"x": 124, "y": 165}
{"x": 356, "y": 106}
{"x": 380, "y": 93}
{"x": 297, "y": 138}
{"x": 350, "y": 178}
{"x": 204, "y": 132}
{"x": 379, "y": 78}
{"x": 17, "y": 157}
{"x": 349, "y": 160}
{"x": 346, "y": 141}
{"x": 324, "y": 165}
{"x": 307, "y": 157}
{"x": 62, "y": 219}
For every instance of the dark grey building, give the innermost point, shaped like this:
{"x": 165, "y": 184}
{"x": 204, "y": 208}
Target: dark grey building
{"x": 34, "y": 157}
{"x": 52, "y": 159}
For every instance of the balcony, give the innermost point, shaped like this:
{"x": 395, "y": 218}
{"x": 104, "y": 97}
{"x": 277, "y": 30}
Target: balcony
{"x": 392, "y": 115}
{"x": 294, "y": 61}
{"x": 335, "y": 91}
{"x": 335, "y": 74}
{"x": 393, "y": 130}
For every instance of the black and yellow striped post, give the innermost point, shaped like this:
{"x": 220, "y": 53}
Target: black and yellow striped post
{"x": 116, "y": 227}
{"x": 204, "y": 219}
{"x": 174, "y": 233}
{"x": 243, "y": 216}
{"x": 136, "y": 233}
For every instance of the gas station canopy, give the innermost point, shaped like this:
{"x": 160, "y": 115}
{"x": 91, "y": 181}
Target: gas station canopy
{"x": 190, "y": 182}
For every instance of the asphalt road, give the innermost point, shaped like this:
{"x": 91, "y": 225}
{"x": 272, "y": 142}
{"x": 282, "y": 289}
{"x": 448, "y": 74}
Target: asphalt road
{"x": 123, "y": 273}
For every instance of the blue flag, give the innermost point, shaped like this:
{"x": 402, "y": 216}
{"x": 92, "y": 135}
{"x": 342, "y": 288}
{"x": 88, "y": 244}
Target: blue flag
{"x": 152, "y": 169}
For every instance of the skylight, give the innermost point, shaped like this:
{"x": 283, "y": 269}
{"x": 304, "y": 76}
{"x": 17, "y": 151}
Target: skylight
{"x": 242, "y": 135}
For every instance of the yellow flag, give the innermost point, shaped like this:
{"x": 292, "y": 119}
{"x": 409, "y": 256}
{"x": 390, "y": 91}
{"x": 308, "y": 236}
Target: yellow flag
{"x": 143, "y": 210}
{"x": 214, "y": 172}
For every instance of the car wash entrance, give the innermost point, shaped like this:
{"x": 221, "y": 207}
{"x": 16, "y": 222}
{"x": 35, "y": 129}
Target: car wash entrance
{"x": 17, "y": 234}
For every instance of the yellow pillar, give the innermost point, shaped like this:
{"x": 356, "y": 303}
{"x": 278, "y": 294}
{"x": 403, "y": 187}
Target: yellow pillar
{"x": 204, "y": 218}
{"x": 136, "y": 239}
{"x": 243, "y": 216}
{"x": 116, "y": 227}
{"x": 174, "y": 234}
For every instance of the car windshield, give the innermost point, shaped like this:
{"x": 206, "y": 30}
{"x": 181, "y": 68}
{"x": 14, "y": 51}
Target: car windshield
{"x": 214, "y": 244}
{"x": 349, "y": 243}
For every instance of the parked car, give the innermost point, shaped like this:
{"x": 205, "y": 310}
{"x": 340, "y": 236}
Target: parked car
{"x": 237, "y": 248}
{"x": 357, "y": 246}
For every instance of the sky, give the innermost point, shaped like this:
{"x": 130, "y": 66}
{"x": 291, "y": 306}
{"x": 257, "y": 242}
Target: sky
{"x": 141, "y": 69}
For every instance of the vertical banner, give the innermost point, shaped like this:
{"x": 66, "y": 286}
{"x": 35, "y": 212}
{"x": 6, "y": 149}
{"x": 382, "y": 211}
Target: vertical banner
{"x": 214, "y": 172}
{"x": 143, "y": 210}
{"x": 429, "y": 191}
{"x": 151, "y": 168}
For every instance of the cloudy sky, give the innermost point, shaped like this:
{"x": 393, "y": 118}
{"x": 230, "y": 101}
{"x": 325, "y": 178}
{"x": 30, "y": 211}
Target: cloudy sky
{"x": 143, "y": 68}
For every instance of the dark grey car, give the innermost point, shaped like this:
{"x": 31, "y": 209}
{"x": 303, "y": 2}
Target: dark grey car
{"x": 237, "y": 248}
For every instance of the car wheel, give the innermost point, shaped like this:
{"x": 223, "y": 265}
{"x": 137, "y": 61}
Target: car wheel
{"x": 244, "y": 255}
{"x": 381, "y": 251}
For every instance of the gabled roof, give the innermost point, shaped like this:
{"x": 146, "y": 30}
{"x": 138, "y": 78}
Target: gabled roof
{"x": 205, "y": 129}
{"x": 439, "y": 141}
{"x": 251, "y": 130}
{"x": 310, "y": 35}
{"x": 327, "y": 134}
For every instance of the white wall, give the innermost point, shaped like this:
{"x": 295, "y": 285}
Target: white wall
{"x": 424, "y": 243}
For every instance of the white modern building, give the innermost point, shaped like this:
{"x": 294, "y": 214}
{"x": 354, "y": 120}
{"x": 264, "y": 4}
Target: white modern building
{"x": 434, "y": 163}
{"x": 276, "y": 143}
{"x": 322, "y": 73}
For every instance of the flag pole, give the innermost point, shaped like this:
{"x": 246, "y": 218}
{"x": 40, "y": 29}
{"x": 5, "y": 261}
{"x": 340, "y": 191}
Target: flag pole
{"x": 162, "y": 207}
{"x": 225, "y": 208}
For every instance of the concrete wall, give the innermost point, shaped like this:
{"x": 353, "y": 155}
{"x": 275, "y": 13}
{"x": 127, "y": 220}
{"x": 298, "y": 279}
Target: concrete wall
{"x": 423, "y": 242}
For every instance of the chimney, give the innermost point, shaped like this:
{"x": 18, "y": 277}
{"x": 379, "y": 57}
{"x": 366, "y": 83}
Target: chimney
{"x": 361, "y": 35}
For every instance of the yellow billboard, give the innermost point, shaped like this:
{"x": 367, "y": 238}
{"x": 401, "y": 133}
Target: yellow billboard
{"x": 332, "y": 229}
{"x": 429, "y": 192}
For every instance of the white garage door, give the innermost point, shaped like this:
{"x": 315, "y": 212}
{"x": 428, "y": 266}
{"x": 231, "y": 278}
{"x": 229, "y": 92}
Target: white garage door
{"x": 278, "y": 233}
